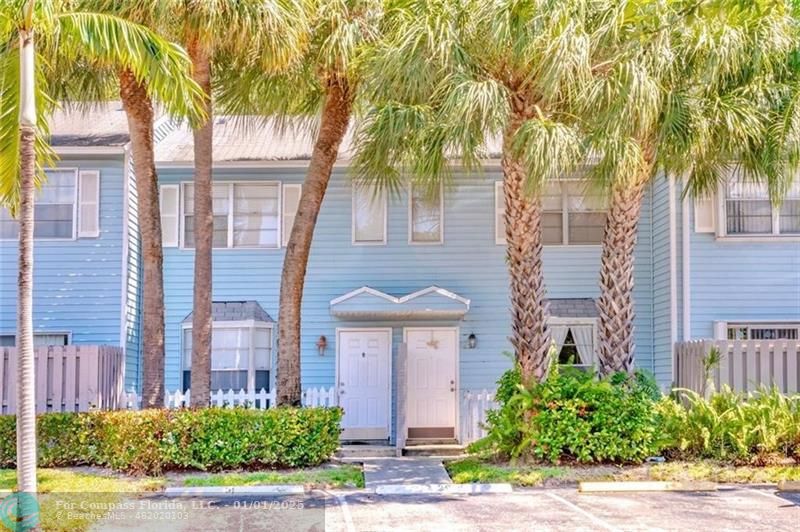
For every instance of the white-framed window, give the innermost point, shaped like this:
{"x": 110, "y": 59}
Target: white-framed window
{"x": 241, "y": 355}
{"x": 54, "y": 211}
{"x": 762, "y": 331}
{"x": 369, "y": 215}
{"x": 748, "y": 211}
{"x": 40, "y": 339}
{"x": 290, "y": 201}
{"x": 573, "y": 214}
{"x": 575, "y": 340}
{"x": 245, "y": 214}
{"x": 425, "y": 216}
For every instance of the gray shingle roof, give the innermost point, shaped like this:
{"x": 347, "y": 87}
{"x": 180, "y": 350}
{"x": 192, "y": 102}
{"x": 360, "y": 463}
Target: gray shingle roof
{"x": 573, "y": 308}
{"x": 101, "y": 124}
{"x": 235, "y": 311}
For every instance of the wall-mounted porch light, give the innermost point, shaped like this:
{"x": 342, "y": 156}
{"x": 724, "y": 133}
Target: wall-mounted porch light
{"x": 472, "y": 341}
{"x": 322, "y": 343}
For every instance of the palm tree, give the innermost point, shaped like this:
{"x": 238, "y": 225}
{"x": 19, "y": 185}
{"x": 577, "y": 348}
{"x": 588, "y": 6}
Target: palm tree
{"x": 459, "y": 72}
{"x": 647, "y": 111}
{"x": 63, "y": 36}
{"x": 275, "y": 29}
{"x": 323, "y": 88}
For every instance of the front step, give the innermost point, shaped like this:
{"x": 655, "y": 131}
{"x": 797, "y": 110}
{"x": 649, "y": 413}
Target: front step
{"x": 365, "y": 451}
{"x": 413, "y": 442}
{"x": 452, "y": 449}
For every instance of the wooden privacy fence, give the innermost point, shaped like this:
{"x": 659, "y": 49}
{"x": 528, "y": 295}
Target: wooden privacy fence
{"x": 745, "y": 364}
{"x": 70, "y": 378}
{"x": 260, "y": 400}
{"x": 474, "y": 406}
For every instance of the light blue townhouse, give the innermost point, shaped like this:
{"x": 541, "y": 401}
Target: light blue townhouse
{"x": 406, "y": 299}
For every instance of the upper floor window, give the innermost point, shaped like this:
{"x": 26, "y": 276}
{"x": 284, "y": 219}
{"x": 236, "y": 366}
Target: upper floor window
{"x": 369, "y": 215}
{"x": 425, "y": 216}
{"x": 760, "y": 331}
{"x": 749, "y": 211}
{"x": 573, "y": 214}
{"x": 53, "y": 212}
{"x": 245, "y": 215}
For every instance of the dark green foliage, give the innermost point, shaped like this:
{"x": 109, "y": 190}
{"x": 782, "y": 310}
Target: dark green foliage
{"x": 573, "y": 416}
{"x": 152, "y": 441}
{"x": 758, "y": 428}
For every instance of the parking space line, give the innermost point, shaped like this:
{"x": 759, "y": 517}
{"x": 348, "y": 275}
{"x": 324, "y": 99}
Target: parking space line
{"x": 768, "y": 494}
{"x": 348, "y": 518}
{"x": 596, "y": 520}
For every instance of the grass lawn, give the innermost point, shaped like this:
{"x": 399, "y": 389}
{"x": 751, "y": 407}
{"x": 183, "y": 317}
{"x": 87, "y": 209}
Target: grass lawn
{"x": 98, "y": 487}
{"x": 474, "y": 470}
{"x": 330, "y": 476}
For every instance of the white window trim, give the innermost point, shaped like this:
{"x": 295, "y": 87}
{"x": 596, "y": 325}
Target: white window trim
{"x": 252, "y": 325}
{"x": 722, "y": 235}
{"x": 353, "y": 241}
{"x": 594, "y": 322}
{"x": 230, "y": 185}
{"x": 177, "y": 213}
{"x": 411, "y": 240}
{"x": 721, "y": 327}
{"x": 74, "y": 236}
{"x": 498, "y": 191}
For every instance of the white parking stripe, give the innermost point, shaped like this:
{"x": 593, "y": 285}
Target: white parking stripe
{"x": 596, "y": 520}
{"x": 768, "y": 494}
{"x": 348, "y": 519}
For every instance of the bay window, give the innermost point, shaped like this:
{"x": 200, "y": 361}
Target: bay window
{"x": 241, "y": 356}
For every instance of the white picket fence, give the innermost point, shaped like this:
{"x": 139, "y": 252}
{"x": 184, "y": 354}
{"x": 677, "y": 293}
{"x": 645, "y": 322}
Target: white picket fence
{"x": 474, "y": 406}
{"x": 261, "y": 400}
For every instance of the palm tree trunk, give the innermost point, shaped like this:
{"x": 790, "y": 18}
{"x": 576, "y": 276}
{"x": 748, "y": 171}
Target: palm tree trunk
{"x": 523, "y": 218}
{"x": 333, "y": 126}
{"x": 139, "y": 110}
{"x": 615, "y": 304}
{"x": 26, "y": 385}
{"x": 203, "y": 234}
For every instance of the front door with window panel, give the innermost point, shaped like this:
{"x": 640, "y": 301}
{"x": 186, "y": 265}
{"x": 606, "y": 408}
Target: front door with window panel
{"x": 364, "y": 361}
{"x": 431, "y": 386}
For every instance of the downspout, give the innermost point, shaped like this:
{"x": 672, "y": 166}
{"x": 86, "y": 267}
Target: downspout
{"x": 686, "y": 272}
{"x": 673, "y": 273}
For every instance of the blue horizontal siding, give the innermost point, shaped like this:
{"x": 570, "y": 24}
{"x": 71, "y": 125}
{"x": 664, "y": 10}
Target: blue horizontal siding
{"x": 77, "y": 284}
{"x": 468, "y": 263}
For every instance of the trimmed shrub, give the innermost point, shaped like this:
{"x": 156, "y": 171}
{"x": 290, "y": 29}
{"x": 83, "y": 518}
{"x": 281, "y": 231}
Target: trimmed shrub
{"x": 573, "y": 416}
{"x": 151, "y": 441}
{"x": 758, "y": 428}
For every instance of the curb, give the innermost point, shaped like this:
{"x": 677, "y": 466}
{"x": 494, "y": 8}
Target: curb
{"x": 5, "y": 493}
{"x": 633, "y": 486}
{"x": 425, "y": 489}
{"x": 278, "y": 489}
{"x": 789, "y": 485}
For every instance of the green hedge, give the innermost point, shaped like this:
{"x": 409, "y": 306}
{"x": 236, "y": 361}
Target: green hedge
{"x": 152, "y": 441}
{"x": 573, "y": 416}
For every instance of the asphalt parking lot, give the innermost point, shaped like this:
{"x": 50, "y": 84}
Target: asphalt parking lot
{"x": 734, "y": 509}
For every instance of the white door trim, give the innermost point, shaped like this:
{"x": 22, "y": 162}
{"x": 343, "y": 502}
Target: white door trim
{"x": 387, "y": 330}
{"x": 457, "y": 363}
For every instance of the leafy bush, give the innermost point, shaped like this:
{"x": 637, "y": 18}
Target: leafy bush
{"x": 152, "y": 441}
{"x": 757, "y": 428}
{"x": 572, "y": 415}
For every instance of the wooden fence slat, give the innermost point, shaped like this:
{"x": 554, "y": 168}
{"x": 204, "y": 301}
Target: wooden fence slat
{"x": 12, "y": 382}
{"x": 40, "y": 377}
{"x": 56, "y": 397}
{"x": 3, "y": 379}
{"x": 70, "y": 393}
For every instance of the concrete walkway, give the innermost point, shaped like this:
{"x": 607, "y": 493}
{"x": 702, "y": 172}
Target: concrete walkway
{"x": 406, "y": 470}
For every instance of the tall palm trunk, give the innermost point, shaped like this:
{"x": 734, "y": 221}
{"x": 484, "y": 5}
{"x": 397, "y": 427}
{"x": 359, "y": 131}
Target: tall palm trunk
{"x": 523, "y": 218}
{"x": 203, "y": 234}
{"x": 26, "y": 386}
{"x": 615, "y": 304}
{"x": 333, "y": 126}
{"x": 139, "y": 110}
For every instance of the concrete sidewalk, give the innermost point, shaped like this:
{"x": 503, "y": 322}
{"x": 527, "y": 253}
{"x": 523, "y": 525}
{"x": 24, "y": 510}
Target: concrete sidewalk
{"x": 406, "y": 470}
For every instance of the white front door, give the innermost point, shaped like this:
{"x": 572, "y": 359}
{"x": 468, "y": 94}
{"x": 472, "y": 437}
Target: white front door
{"x": 364, "y": 359}
{"x": 432, "y": 387}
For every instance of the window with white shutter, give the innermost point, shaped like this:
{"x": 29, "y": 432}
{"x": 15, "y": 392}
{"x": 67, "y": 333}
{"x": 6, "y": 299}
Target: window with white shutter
{"x": 168, "y": 203}
{"x": 704, "y": 208}
{"x": 290, "y": 202}
{"x": 89, "y": 204}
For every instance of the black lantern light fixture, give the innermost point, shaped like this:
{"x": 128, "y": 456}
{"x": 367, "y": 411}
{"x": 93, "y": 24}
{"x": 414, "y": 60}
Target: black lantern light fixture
{"x": 322, "y": 343}
{"x": 472, "y": 341}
